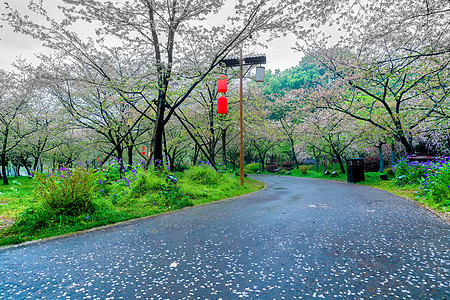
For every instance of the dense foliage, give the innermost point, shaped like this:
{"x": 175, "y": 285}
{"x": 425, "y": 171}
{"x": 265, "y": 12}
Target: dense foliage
{"x": 433, "y": 179}
{"x": 66, "y": 191}
{"x": 305, "y": 75}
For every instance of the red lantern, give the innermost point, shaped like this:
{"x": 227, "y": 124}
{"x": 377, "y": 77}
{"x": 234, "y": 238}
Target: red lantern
{"x": 222, "y": 105}
{"x": 222, "y": 84}
{"x": 143, "y": 150}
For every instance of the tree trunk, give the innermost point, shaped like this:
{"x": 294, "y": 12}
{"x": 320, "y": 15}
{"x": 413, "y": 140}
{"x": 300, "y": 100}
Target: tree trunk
{"x": 212, "y": 141}
{"x": 392, "y": 155}
{"x": 3, "y": 157}
{"x": 172, "y": 160}
{"x": 408, "y": 148}
{"x": 130, "y": 156}
{"x": 338, "y": 157}
{"x": 263, "y": 158}
{"x": 3, "y": 160}
{"x": 26, "y": 168}
{"x": 293, "y": 152}
{"x": 69, "y": 162}
{"x": 380, "y": 155}
{"x": 224, "y": 147}
{"x": 341, "y": 163}
{"x": 119, "y": 151}
{"x": 35, "y": 164}
{"x": 158, "y": 134}
{"x": 195, "y": 158}
{"x": 211, "y": 152}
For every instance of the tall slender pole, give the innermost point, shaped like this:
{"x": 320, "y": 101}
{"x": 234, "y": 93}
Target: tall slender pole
{"x": 241, "y": 117}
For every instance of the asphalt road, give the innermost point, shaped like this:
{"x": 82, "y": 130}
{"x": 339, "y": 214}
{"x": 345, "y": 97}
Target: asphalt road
{"x": 297, "y": 239}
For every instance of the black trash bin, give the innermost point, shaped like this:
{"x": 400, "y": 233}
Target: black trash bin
{"x": 355, "y": 170}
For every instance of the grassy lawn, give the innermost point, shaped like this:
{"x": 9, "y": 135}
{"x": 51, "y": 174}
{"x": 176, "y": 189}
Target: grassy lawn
{"x": 17, "y": 204}
{"x": 15, "y": 198}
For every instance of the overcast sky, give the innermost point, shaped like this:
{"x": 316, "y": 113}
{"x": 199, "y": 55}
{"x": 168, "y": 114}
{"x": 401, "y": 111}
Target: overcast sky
{"x": 12, "y": 45}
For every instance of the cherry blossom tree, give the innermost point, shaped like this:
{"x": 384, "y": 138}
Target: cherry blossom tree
{"x": 381, "y": 87}
{"x": 16, "y": 91}
{"x": 166, "y": 33}
{"x": 331, "y": 132}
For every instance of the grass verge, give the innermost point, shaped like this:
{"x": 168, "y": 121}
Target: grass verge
{"x": 25, "y": 219}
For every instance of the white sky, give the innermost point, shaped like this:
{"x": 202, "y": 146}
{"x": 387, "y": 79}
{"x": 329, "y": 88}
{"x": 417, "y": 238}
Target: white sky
{"x": 12, "y": 45}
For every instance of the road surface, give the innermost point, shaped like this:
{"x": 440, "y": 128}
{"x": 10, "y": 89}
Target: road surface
{"x": 297, "y": 239}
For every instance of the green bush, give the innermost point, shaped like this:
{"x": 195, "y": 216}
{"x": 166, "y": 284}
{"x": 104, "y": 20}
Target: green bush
{"x": 389, "y": 171}
{"x": 112, "y": 171}
{"x": 408, "y": 173}
{"x": 181, "y": 167}
{"x": 251, "y": 168}
{"x": 158, "y": 191}
{"x": 202, "y": 174}
{"x": 175, "y": 198}
{"x": 66, "y": 191}
{"x": 437, "y": 183}
{"x": 146, "y": 182}
{"x": 304, "y": 169}
{"x": 33, "y": 219}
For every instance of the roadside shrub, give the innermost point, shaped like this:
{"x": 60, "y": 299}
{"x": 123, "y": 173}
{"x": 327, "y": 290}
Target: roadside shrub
{"x": 181, "y": 168}
{"x": 33, "y": 219}
{"x": 146, "y": 182}
{"x": 202, "y": 174}
{"x": 437, "y": 182}
{"x": 251, "y": 168}
{"x": 371, "y": 164}
{"x": 112, "y": 170}
{"x": 409, "y": 172}
{"x": 66, "y": 191}
{"x": 389, "y": 171}
{"x": 175, "y": 198}
{"x": 271, "y": 168}
{"x": 287, "y": 165}
{"x": 304, "y": 169}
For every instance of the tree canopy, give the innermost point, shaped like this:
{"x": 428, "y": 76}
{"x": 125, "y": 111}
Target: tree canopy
{"x": 145, "y": 77}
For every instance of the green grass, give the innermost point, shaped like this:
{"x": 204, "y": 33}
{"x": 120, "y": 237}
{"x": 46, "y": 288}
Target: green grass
{"x": 16, "y": 196}
{"x": 34, "y": 221}
{"x": 373, "y": 180}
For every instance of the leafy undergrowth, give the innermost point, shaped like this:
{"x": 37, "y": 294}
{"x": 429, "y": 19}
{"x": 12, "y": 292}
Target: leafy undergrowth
{"x": 56, "y": 203}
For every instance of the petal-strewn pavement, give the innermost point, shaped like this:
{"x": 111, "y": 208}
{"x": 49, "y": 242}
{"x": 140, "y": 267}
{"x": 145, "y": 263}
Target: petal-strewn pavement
{"x": 297, "y": 239}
